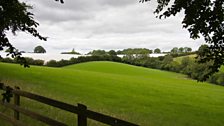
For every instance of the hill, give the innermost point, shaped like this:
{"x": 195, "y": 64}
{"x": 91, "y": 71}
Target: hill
{"x": 140, "y": 95}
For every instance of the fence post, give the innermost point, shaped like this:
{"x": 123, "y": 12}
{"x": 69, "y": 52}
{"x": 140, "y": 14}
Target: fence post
{"x": 17, "y": 103}
{"x": 82, "y": 120}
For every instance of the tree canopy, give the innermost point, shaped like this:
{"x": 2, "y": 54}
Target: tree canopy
{"x": 157, "y": 50}
{"x": 15, "y": 16}
{"x": 98, "y": 52}
{"x": 131, "y": 51}
{"x": 39, "y": 49}
{"x": 201, "y": 18}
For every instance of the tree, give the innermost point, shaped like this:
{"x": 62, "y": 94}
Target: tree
{"x": 112, "y": 53}
{"x": 202, "y": 50}
{"x": 187, "y": 49}
{"x": 39, "y": 49}
{"x": 98, "y": 52}
{"x": 14, "y": 16}
{"x": 174, "y": 50}
{"x": 181, "y": 50}
{"x": 131, "y": 51}
{"x": 201, "y": 17}
{"x": 157, "y": 50}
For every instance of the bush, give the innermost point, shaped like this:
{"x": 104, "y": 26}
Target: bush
{"x": 81, "y": 59}
{"x": 217, "y": 78}
{"x": 52, "y": 63}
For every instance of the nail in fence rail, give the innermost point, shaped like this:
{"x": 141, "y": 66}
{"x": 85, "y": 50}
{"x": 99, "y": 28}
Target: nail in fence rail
{"x": 81, "y": 110}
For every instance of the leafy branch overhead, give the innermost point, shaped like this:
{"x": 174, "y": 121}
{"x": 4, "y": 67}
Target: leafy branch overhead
{"x": 14, "y": 16}
{"x": 202, "y": 18}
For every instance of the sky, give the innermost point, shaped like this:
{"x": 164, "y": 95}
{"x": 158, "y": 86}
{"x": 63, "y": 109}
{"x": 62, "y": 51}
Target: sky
{"x": 86, "y": 25}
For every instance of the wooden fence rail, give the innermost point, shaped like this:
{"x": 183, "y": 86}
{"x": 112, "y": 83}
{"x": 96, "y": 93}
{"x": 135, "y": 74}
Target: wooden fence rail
{"x": 81, "y": 110}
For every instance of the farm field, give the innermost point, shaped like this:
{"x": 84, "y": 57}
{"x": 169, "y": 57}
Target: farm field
{"x": 143, "y": 96}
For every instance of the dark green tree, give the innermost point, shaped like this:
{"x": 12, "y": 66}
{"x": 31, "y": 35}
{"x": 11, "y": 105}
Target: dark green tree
{"x": 202, "y": 51}
{"x": 131, "y": 51}
{"x": 157, "y": 50}
{"x": 201, "y": 17}
{"x": 39, "y": 49}
{"x": 187, "y": 49}
{"x": 14, "y": 16}
{"x": 98, "y": 52}
{"x": 174, "y": 50}
{"x": 112, "y": 53}
{"x": 181, "y": 50}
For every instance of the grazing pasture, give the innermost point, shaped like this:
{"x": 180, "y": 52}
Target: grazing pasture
{"x": 140, "y": 95}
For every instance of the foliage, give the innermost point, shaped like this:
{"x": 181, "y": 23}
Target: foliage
{"x": 98, "y": 52}
{"x": 112, "y": 53}
{"x": 174, "y": 50}
{"x": 39, "y": 49}
{"x": 180, "y": 51}
{"x": 15, "y": 16}
{"x": 52, "y": 63}
{"x": 29, "y": 60}
{"x": 217, "y": 78}
{"x": 131, "y": 51}
{"x": 186, "y": 65}
{"x": 202, "y": 17}
{"x": 157, "y": 50}
{"x": 37, "y": 62}
{"x": 7, "y": 95}
{"x": 187, "y": 49}
{"x": 82, "y": 59}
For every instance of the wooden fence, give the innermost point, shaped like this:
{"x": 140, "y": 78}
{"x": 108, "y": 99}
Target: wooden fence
{"x": 81, "y": 110}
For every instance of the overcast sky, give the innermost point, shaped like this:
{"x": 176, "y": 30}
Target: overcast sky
{"x": 103, "y": 24}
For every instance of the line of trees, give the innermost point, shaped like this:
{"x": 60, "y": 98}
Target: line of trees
{"x": 186, "y": 65}
{"x": 29, "y": 61}
{"x": 82, "y": 59}
{"x": 134, "y": 51}
{"x": 143, "y": 51}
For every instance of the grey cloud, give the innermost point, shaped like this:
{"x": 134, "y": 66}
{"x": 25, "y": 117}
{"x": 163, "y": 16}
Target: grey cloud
{"x": 74, "y": 9}
{"x": 104, "y": 24}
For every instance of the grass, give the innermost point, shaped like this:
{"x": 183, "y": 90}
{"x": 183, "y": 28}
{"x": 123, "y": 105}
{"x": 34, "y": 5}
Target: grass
{"x": 178, "y": 59}
{"x": 222, "y": 69}
{"x": 144, "y": 96}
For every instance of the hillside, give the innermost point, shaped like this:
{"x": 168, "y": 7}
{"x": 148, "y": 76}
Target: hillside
{"x": 139, "y": 95}
{"x": 178, "y": 59}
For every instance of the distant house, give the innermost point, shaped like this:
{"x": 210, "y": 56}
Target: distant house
{"x": 157, "y": 54}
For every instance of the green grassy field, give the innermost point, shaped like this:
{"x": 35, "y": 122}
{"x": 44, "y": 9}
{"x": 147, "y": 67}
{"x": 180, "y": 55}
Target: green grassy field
{"x": 144, "y": 96}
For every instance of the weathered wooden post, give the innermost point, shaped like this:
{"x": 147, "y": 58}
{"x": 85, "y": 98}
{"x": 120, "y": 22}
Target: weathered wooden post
{"x": 16, "y": 103}
{"x": 82, "y": 120}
